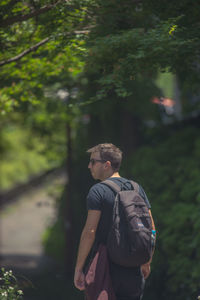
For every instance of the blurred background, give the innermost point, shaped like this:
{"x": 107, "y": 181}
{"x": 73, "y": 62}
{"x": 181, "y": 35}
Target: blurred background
{"x": 81, "y": 72}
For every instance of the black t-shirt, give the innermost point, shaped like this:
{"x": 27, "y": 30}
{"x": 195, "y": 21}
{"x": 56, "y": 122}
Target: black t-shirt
{"x": 101, "y": 197}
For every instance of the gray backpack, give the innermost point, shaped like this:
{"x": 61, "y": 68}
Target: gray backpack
{"x": 129, "y": 241}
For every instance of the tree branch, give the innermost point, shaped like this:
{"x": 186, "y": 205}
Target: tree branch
{"x": 19, "y": 56}
{"x": 20, "y": 18}
{"x": 36, "y": 46}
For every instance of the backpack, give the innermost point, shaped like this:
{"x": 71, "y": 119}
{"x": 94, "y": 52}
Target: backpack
{"x": 129, "y": 242}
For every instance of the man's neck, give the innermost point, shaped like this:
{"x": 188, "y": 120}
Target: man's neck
{"x": 116, "y": 174}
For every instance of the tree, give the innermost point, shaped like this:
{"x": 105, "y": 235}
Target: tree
{"x": 37, "y": 41}
{"x": 41, "y": 48}
{"x": 138, "y": 38}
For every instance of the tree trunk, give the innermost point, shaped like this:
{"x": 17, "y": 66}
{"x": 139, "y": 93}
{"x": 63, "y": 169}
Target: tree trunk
{"x": 68, "y": 207}
{"x": 130, "y": 136}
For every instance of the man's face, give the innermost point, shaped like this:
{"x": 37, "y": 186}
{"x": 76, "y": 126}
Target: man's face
{"x": 96, "y": 166}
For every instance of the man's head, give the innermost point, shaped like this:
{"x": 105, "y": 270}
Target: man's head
{"x": 105, "y": 160}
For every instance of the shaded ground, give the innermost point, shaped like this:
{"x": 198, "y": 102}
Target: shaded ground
{"x": 22, "y": 226}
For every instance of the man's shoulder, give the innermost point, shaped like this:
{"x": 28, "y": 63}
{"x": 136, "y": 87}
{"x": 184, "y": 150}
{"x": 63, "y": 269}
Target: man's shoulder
{"x": 97, "y": 194}
{"x": 100, "y": 190}
{"x": 97, "y": 188}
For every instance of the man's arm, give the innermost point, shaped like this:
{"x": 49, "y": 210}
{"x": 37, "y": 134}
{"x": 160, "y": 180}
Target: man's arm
{"x": 85, "y": 245}
{"x": 146, "y": 269}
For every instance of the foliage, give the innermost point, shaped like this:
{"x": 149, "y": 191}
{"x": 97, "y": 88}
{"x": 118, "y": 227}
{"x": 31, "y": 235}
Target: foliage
{"x": 132, "y": 41}
{"x": 28, "y": 151}
{"x": 126, "y": 41}
{"x": 22, "y": 157}
{"x": 31, "y": 81}
{"x": 9, "y": 289}
{"x": 30, "y": 84}
{"x": 54, "y": 240}
{"x": 37, "y": 42}
{"x": 169, "y": 173}
{"x": 166, "y": 82}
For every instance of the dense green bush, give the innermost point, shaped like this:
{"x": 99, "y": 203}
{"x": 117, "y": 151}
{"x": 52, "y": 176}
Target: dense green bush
{"x": 22, "y": 158}
{"x": 54, "y": 240}
{"x": 169, "y": 171}
{"x": 25, "y": 154}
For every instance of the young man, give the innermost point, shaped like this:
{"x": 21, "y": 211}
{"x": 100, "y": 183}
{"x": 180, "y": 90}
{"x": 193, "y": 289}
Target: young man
{"x": 105, "y": 160}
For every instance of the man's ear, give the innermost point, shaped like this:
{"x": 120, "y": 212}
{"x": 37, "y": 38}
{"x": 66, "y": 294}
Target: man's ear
{"x": 108, "y": 164}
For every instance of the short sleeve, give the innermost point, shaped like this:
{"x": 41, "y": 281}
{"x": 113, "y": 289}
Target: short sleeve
{"x": 144, "y": 196}
{"x": 95, "y": 197}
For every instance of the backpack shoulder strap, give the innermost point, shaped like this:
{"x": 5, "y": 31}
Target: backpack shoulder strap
{"x": 114, "y": 186}
{"x": 135, "y": 186}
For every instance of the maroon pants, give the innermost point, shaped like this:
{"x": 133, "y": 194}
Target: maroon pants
{"x": 98, "y": 281}
{"x": 108, "y": 281}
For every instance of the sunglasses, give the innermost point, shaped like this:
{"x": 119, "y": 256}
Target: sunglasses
{"x": 92, "y": 161}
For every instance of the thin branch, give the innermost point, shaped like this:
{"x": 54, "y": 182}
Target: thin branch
{"x": 20, "y": 18}
{"x": 36, "y": 46}
{"x": 19, "y": 56}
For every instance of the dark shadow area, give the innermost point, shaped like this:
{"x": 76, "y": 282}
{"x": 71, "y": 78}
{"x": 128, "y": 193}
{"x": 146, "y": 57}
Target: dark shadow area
{"x": 41, "y": 278}
{"x": 28, "y": 264}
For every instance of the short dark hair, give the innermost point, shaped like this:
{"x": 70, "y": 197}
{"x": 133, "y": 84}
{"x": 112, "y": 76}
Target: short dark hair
{"x": 108, "y": 152}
